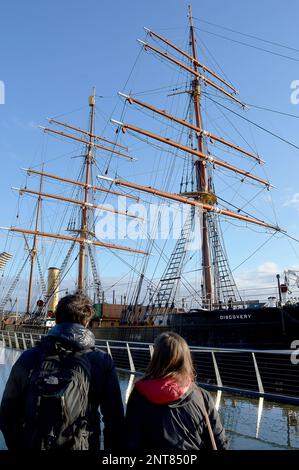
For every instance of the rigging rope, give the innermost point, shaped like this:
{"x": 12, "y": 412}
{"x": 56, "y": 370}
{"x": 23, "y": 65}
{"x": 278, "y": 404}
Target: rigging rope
{"x": 255, "y": 251}
{"x": 249, "y": 45}
{"x": 248, "y": 35}
{"x": 256, "y": 125}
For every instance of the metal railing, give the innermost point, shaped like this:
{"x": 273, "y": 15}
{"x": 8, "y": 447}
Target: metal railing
{"x": 262, "y": 373}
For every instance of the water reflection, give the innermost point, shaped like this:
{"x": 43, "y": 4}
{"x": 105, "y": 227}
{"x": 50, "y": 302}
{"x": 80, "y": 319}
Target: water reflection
{"x": 218, "y": 399}
{"x": 129, "y": 388}
{"x": 259, "y": 416}
{"x": 250, "y": 423}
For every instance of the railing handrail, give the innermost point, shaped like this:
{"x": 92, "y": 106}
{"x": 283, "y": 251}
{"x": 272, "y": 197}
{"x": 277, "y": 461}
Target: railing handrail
{"x": 208, "y": 348}
{"x": 192, "y": 348}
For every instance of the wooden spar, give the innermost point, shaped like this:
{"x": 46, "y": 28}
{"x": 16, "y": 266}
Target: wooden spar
{"x": 233, "y": 146}
{"x": 75, "y": 201}
{"x": 189, "y": 69}
{"x": 33, "y": 250}
{"x": 79, "y": 183}
{"x": 185, "y": 200}
{"x": 84, "y": 207}
{"x": 131, "y": 100}
{"x": 198, "y": 154}
{"x": 78, "y": 240}
{"x": 97, "y": 137}
{"x": 69, "y": 136}
{"x": 193, "y": 60}
{"x": 201, "y": 181}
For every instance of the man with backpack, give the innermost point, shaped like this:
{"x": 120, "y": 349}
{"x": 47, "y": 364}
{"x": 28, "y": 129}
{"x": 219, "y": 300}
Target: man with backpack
{"x": 54, "y": 391}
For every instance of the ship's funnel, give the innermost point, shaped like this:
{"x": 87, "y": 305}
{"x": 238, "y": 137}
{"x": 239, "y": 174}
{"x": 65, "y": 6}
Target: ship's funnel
{"x": 91, "y": 100}
{"x": 53, "y": 280}
{"x": 284, "y": 292}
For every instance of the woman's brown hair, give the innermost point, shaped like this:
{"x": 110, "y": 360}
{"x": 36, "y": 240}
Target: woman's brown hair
{"x": 171, "y": 358}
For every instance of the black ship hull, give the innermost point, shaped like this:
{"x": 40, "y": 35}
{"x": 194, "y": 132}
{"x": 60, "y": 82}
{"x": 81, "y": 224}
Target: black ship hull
{"x": 250, "y": 328}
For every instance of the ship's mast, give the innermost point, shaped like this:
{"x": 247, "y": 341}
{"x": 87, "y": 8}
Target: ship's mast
{"x": 33, "y": 250}
{"x": 84, "y": 234}
{"x": 201, "y": 177}
{"x": 84, "y": 214}
{"x": 203, "y": 198}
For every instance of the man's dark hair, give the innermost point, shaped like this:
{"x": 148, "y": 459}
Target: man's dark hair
{"x": 74, "y": 308}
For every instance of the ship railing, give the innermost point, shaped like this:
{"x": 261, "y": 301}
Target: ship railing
{"x": 268, "y": 373}
{"x": 264, "y": 373}
{"x": 20, "y": 340}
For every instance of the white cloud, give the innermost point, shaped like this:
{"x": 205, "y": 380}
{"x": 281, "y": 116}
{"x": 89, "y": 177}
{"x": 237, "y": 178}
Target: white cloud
{"x": 293, "y": 202}
{"x": 268, "y": 198}
{"x": 260, "y": 282}
{"x": 268, "y": 268}
{"x": 26, "y": 125}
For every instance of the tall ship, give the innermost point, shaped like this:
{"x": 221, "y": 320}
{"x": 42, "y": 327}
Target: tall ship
{"x": 193, "y": 184}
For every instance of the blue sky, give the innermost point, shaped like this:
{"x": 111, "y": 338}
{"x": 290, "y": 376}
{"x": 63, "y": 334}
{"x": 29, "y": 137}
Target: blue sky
{"x": 52, "y": 53}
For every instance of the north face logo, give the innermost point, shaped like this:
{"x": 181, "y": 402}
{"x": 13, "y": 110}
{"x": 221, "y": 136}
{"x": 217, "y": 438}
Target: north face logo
{"x": 52, "y": 380}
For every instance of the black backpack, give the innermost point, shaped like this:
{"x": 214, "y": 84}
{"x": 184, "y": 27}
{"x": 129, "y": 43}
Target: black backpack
{"x": 57, "y": 406}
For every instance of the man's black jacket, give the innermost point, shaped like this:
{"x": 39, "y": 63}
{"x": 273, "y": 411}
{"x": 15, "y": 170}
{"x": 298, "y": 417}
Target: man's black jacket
{"x": 104, "y": 389}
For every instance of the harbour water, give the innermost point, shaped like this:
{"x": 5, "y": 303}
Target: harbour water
{"x": 251, "y": 424}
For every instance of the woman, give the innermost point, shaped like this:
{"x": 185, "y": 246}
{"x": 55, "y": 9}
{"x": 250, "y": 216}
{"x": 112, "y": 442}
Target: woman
{"x": 166, "y": 410}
